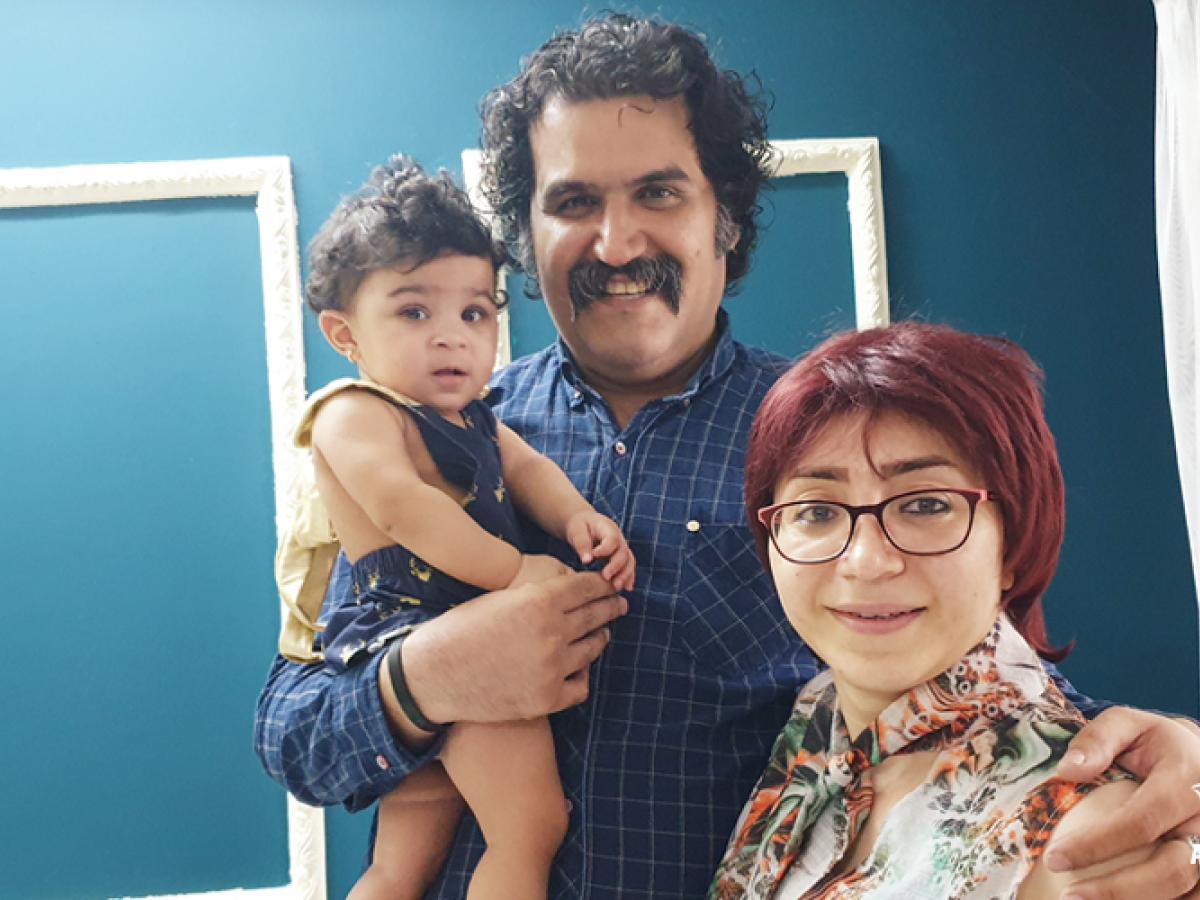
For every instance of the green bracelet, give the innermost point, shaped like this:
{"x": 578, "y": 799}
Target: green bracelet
{"x": 404, "y": 695}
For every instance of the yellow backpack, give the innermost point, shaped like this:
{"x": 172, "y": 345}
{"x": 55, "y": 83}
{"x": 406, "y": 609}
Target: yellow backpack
{"x": 308, "y": 545}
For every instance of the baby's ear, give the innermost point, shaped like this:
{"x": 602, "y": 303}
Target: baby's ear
{"x": 336, "y": 328}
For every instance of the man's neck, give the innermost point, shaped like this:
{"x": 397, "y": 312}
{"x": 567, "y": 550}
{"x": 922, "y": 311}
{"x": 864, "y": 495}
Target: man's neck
{"x": 625, "y": 396}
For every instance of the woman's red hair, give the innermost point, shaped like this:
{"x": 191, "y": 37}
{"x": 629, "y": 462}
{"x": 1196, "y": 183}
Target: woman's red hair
{"x": 982, "y": 394}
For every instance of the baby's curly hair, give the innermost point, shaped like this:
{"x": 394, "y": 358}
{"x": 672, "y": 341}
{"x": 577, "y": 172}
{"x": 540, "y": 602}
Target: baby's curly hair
{"x": 400, "y": 217}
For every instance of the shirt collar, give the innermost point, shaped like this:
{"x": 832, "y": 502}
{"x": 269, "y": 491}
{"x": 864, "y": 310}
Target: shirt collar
{"x": 715, "y": 366}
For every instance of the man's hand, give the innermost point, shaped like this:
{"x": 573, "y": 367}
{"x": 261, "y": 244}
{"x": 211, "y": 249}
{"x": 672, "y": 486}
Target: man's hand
{"x": 512, "y": 654}
{"x": 594, "y": 536}
{"x": 1165, "y": 754}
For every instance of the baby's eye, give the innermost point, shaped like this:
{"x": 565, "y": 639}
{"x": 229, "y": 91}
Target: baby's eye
{"x": 475, "y": 314}
{"x": 414, "y": 313}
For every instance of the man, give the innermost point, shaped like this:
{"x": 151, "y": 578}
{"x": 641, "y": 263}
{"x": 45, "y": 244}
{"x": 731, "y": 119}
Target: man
{"x": 625, "y": 170}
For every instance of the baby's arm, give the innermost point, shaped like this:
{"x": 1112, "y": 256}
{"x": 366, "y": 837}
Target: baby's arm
{"x": 362, "y": 440}
{"x": 546, "y": 495}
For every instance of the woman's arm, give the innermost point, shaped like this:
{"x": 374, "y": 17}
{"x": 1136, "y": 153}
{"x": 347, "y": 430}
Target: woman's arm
{"x": 363, "y": 442}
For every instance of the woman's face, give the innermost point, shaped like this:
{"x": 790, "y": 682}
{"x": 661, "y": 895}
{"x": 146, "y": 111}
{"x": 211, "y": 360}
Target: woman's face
{"x": 886, "y": 621}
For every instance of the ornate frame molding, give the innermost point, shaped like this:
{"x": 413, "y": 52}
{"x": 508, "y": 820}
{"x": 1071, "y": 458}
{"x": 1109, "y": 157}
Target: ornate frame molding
{"x": 269, "y": 180}
{"x": 856, "y": 158}
{"x": 472, "y": 163}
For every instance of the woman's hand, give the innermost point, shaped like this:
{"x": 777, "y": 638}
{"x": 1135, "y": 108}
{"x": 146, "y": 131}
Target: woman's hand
{"x": 1164, "y": 754}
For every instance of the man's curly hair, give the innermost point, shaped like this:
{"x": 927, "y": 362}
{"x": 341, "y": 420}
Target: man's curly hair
{"x": 401, "y": 218}
{"x": 617, "y": 55}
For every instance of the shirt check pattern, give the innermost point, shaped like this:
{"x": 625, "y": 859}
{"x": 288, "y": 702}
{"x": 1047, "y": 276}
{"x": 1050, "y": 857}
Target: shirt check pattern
{"x": 688, "y": 697}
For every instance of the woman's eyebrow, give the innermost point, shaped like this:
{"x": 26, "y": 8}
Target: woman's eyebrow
{"x": 904, "y": 466}
{"x": 891, "y": 469}
{"x": 822, "y": 473}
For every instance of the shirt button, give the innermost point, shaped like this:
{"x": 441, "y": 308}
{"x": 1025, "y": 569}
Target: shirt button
{"x": 693, "y": 526}
{"x": 382, "y": 762}
{"x": 620, "y": 448}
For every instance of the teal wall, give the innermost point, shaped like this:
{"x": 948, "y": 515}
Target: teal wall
{"x": 1018, "y": 179}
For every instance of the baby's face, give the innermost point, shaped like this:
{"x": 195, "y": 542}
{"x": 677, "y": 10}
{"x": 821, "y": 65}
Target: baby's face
{"x": 430, "y": 332}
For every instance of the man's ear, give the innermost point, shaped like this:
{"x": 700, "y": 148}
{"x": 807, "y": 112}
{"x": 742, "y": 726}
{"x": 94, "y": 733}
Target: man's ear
{"x": 728, "y": 232}
{"x": 336, "y": 328}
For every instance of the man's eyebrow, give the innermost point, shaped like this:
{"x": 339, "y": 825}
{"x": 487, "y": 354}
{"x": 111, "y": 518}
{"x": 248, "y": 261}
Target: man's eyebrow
{"x": 557, "y": 189}
{"x": 668, "y": 173}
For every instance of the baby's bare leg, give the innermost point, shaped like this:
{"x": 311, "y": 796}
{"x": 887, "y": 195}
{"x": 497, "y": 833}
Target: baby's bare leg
{"x": 416, "y": 826}
{"x": 507, "y": 774}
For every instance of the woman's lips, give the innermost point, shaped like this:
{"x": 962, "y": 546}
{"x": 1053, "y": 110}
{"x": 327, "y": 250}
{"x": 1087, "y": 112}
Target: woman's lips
{"x": 877, "y": 621}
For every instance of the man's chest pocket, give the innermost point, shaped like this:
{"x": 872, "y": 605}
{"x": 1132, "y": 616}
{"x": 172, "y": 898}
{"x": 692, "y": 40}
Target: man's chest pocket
{"x": 730, "y": 618}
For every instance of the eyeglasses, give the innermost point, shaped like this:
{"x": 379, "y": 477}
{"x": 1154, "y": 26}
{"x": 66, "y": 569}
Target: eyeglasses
{"x": 920, "y": 523}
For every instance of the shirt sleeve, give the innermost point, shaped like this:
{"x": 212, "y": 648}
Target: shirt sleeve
{"x": 323, "y": 735}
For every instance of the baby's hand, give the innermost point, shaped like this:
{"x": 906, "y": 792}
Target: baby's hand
{"x": 535, "y": 567}
{"x": 595, "y": 536}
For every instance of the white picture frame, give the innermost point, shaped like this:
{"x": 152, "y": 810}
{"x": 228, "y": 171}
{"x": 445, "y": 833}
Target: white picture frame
{"x": 856, "y": 158}
{"x": 269, "y": 180}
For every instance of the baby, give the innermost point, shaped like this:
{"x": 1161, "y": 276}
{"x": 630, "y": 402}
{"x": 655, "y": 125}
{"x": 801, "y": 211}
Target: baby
{"x": 422, "y": 485}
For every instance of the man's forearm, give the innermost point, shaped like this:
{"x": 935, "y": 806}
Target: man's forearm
{"x": 325, "y": 736}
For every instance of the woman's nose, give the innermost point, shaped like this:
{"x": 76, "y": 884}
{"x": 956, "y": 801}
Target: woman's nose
{"x": 870, "y": 555}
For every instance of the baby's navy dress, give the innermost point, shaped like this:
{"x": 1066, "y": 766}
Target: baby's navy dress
{"x": 393, "y": 578}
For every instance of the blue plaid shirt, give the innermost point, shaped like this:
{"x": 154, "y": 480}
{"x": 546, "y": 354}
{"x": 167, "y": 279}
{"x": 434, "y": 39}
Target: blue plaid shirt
{"x": 688, "y": 697}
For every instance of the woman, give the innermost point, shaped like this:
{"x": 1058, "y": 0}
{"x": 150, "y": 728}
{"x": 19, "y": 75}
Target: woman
{"x": 905, "y": 492}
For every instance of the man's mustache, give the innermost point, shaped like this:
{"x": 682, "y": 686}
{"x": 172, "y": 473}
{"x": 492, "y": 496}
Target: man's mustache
{"x": 662, "y": 275}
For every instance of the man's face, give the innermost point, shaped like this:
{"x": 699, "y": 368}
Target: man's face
{"x": 623, "y": 223}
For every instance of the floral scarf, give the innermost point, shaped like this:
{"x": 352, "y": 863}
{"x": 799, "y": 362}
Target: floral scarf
{"x": 814, "y": 775}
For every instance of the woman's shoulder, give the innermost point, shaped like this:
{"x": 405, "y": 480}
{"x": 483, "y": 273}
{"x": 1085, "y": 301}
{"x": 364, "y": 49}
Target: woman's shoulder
{"x": 1092, "y": 805}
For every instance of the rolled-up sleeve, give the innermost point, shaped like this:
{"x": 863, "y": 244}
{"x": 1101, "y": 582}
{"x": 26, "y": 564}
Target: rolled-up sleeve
{"x": 323, "y": 734}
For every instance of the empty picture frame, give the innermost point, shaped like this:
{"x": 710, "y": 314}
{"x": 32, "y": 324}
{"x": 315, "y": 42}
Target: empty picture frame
{"x": 269, "y": 180}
